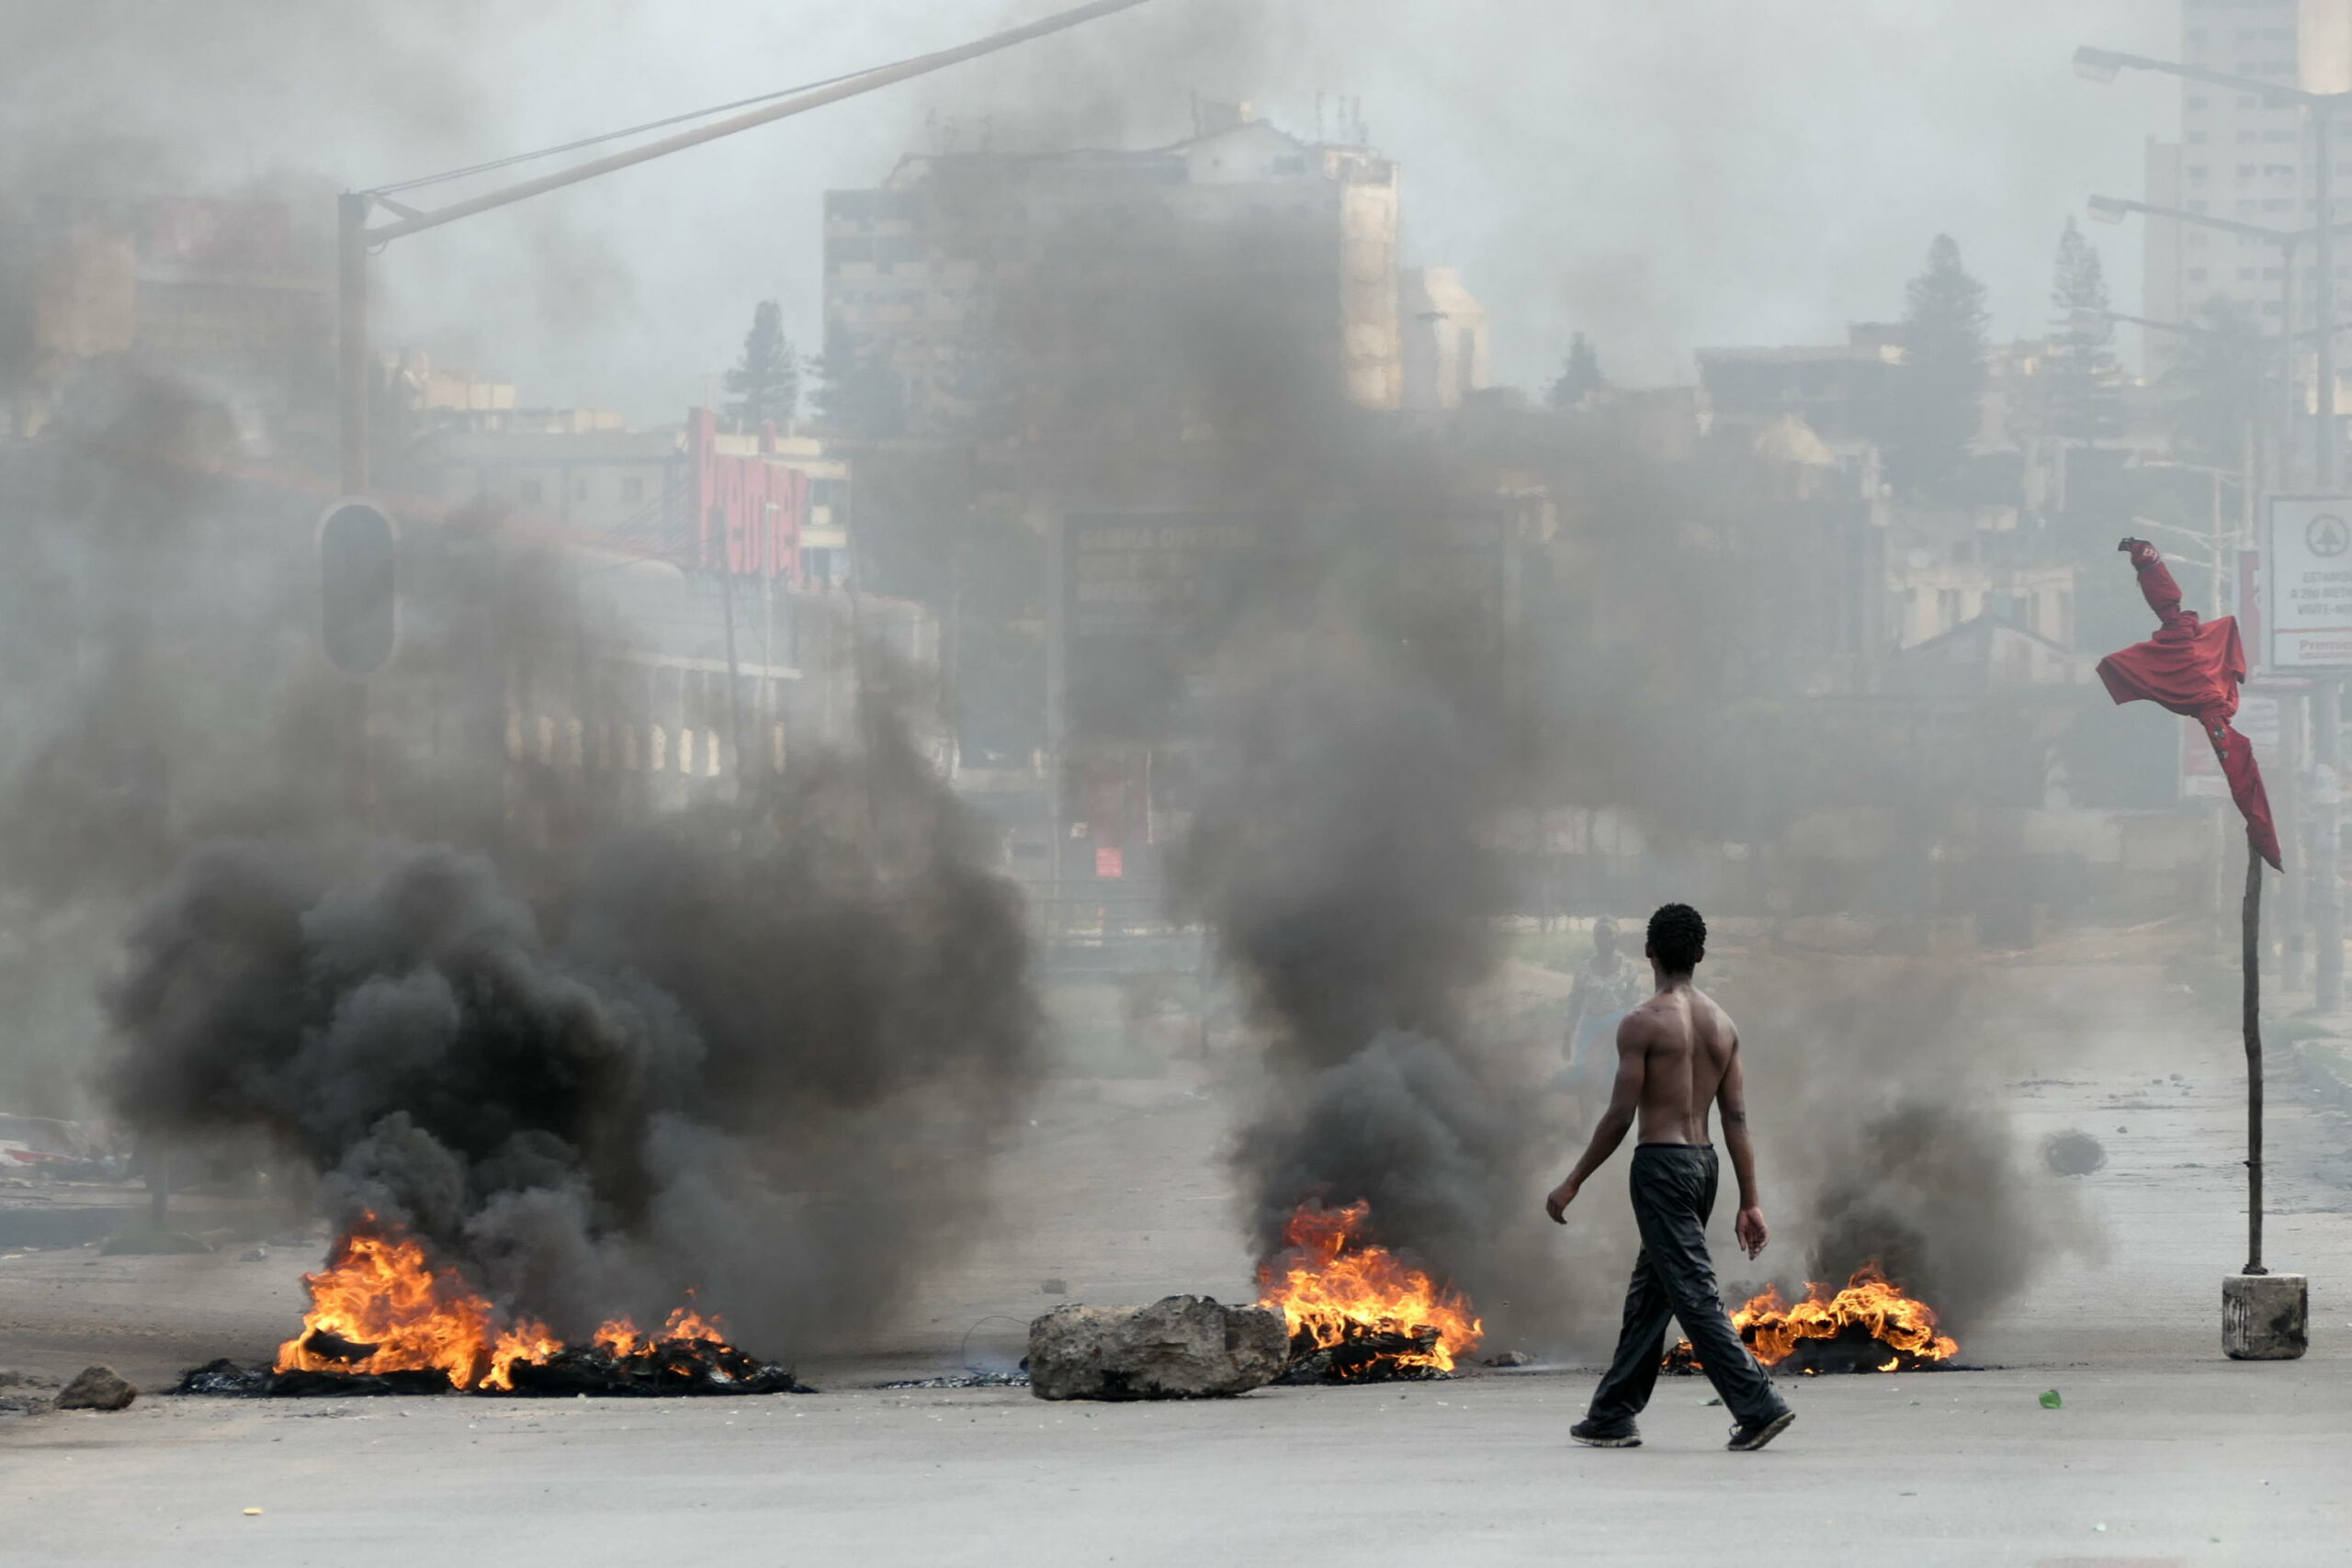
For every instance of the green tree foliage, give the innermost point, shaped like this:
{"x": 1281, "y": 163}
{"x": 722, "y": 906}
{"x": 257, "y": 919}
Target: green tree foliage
{"x": 1581, "y": 375}
{"x": 1935, "y": 410}
{"x": 2217, "y": 378}
{"x": 766, "y": 383}
{"x": 2084, "y": 383}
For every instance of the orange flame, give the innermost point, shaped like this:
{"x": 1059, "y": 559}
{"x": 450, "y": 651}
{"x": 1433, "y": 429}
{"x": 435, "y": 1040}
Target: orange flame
{"x": 379, "y": 1292}
{"x": 1870, "y": 1302}
{"x": 620, "y": 1336}
{"x": 1333, "y": 1286}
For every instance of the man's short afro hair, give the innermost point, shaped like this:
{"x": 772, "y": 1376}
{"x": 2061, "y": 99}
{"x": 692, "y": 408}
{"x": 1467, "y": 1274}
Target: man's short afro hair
{"x": 1677, "y": 938}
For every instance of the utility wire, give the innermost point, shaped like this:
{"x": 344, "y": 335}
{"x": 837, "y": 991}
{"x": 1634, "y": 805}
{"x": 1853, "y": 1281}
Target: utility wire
{"x": 585, "y": 141}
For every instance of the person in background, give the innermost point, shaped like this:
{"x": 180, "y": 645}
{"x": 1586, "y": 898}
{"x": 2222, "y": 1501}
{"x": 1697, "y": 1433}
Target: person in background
{"x": 1608, "y": 986}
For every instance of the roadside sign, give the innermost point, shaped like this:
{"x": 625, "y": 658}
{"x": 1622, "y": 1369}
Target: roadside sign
{"x": 2252, "y": 633}
{"x": 2306, "y": 583}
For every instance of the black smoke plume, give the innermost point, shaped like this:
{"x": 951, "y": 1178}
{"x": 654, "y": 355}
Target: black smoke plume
{"x": 1336, "y": 854}
{"x": 755, "y": 1051}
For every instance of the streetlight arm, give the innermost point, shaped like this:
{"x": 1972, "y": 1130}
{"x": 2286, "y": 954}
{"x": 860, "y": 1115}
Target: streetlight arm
{"x": 2103, "y": 64}
{"x": 2117, "y": 206}
{"x": 416, "y": 222}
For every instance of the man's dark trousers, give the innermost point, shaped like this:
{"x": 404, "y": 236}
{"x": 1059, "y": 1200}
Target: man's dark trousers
{"x": 1674, "y": 1193}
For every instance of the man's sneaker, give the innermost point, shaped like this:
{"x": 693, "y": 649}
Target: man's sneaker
{"x": 1593, "y": 1435}
{"x": 1751, "y": 1436}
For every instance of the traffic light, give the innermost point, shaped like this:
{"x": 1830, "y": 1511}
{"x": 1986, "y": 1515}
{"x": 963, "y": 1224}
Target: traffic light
{"x": 359, "y": 586}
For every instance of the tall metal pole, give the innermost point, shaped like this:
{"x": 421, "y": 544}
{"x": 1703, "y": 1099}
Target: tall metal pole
{"x": 2327, "y": 886}
{"x": 2327, "y": 934}
{"x": 2289, "y": 391}
{"x": 351, "y": 338}
{"x": 2323, "y": 296}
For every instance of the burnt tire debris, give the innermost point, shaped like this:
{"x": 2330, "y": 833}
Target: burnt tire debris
{"x": 708, "y": 1373}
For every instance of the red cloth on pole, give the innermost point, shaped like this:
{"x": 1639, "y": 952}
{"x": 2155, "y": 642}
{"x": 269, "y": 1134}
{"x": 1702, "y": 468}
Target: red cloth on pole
{"x": 2194, "y": 669}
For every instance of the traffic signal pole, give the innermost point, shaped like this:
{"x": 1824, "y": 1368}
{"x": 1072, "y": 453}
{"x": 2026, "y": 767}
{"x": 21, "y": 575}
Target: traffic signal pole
{"x": 356, "y": 238}
{"x": 351, "y": 339}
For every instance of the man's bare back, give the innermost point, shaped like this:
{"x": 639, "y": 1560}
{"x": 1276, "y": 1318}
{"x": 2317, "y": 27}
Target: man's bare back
{"x": 1688, "y": 1045}
{"x": 1678, "y": 1056}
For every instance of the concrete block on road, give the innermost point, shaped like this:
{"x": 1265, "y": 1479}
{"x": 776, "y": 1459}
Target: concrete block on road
{"x": 98, "y": 1388}
{"x": 2265, "y": 1317}
{"x": 1178, "y": 1348}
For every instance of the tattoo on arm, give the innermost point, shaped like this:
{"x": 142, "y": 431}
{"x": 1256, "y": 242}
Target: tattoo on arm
{"x": 1734, "y": 1118}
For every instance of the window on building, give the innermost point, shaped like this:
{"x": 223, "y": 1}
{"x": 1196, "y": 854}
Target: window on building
{"x": 1946, "y": 608}
{"x": 2247, "y": 101}
{"x": 632, "y": 490}
{"x": 2270, "y": 307}
{"x": 2278, "y": 136}
{"x": 2196, "y": 275}
{"x": 2193, "y": 105}
{"x": 2196, "y": 139}
{"x": 2245, "y": 275}
{"x": 2196, "y": 171}
{"x": 2249, "y": 136}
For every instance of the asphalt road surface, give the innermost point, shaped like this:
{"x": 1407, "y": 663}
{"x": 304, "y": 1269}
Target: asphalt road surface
{"x": 2161, "y": 1451}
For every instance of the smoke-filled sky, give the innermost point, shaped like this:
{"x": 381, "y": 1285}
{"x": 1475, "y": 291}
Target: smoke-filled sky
{"x": 1664, "y": 175}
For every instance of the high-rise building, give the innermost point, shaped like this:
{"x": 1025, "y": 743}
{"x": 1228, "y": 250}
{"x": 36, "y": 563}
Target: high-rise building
{"x": 2241, "y": 157}
{"x": 1076, "y": 272}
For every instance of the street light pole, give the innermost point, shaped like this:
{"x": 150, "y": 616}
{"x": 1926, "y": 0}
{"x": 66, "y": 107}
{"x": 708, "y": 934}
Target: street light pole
{"x": 2327, "y": 737}
{"x": 2323, "y": 294}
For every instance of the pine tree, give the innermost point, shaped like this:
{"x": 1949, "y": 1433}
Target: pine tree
{"x": 1934, "y": 412}
{"x": 1581, "y": 375}
{"x": 766, "y": 384}
{"x": 2085, "y": 397}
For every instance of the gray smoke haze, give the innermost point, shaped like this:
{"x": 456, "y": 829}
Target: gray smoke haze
{"x": 756, "y": 1045}
{"x": 1660, "y": 175}
{"x": 1663, "y": 175}
{"x": 1876, "y": 1087}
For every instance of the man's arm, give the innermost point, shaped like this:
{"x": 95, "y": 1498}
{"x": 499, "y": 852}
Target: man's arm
{"x": 1625, "y": 1099}
{"x": 1731, "y": 1098}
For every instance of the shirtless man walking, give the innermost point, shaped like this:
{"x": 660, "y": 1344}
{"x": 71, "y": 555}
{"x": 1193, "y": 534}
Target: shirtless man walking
{"x": 1678, "y": 1054}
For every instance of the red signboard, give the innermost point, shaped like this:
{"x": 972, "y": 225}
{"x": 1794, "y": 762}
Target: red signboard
{"x": 1109, "y": 863}
{"x": 748, "y": 510}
